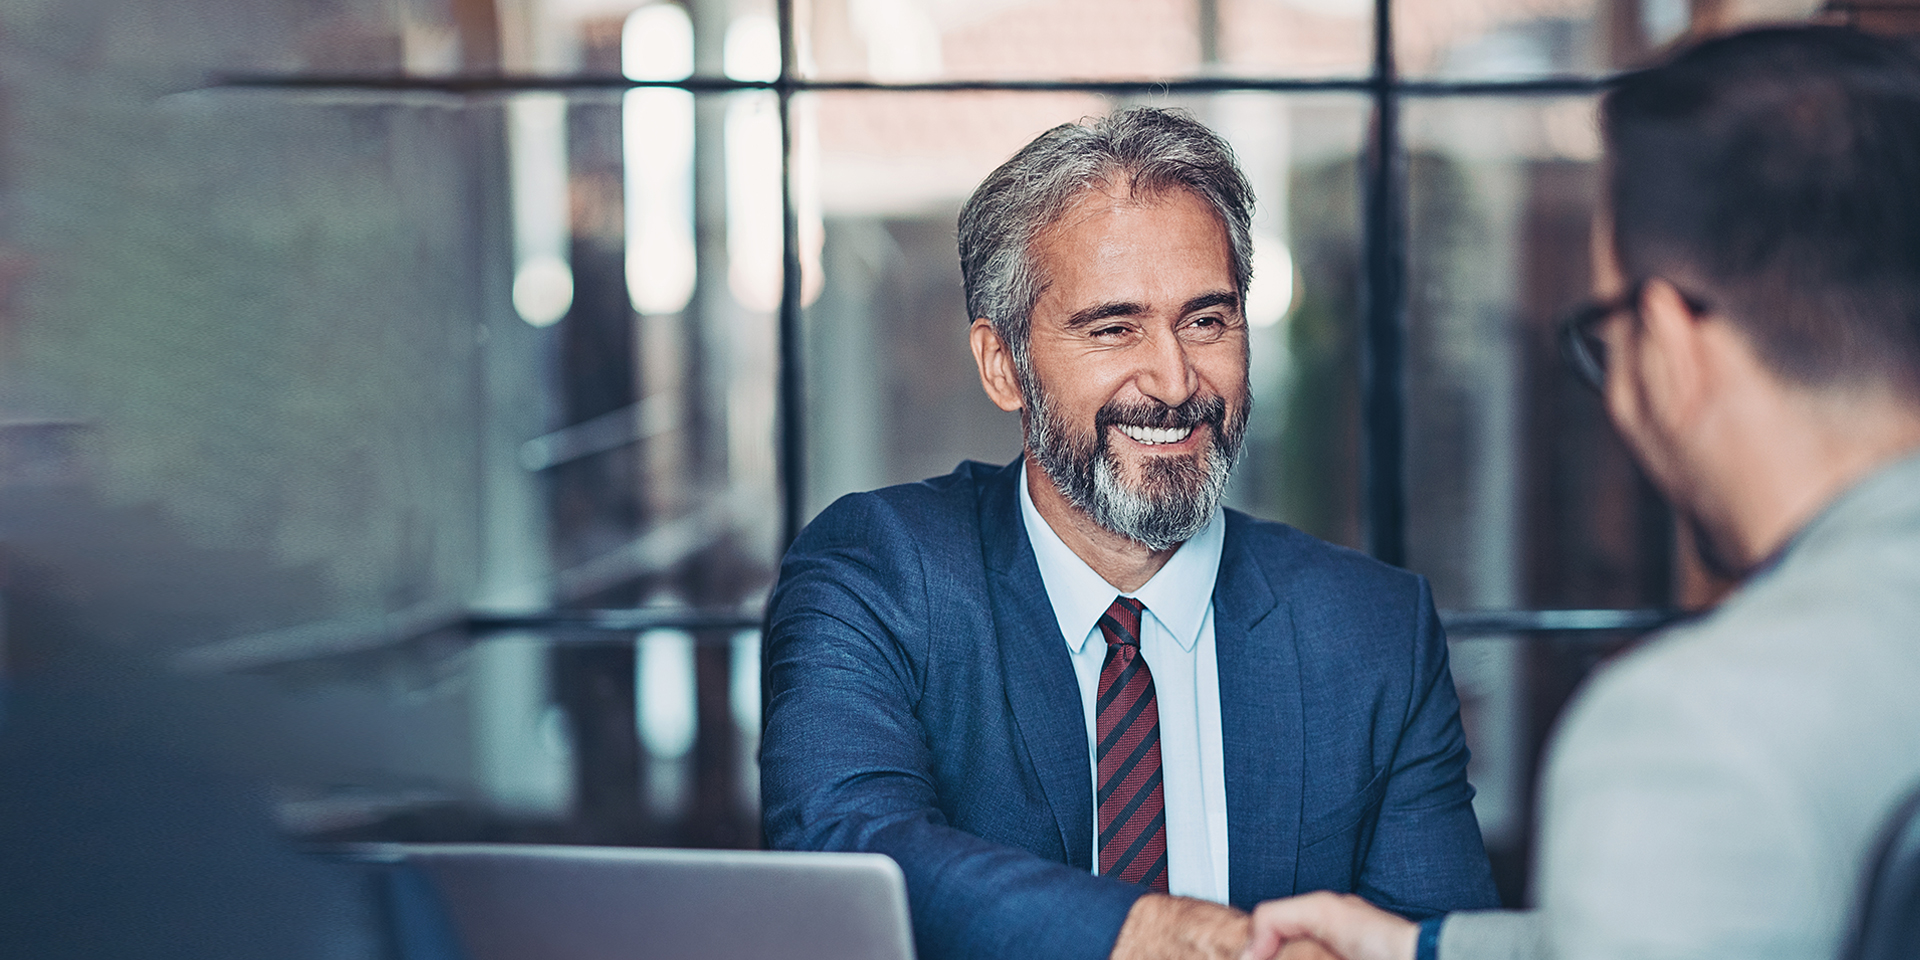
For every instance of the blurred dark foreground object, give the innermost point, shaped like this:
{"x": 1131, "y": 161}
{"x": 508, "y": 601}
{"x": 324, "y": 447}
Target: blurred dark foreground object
{"x": 1887, "y": 926}
{"x": 126, "y": 833}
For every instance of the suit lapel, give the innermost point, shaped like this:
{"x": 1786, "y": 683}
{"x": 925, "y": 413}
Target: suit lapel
{"x": 1261, "y": 724}
{"x": 1041, "y": 688}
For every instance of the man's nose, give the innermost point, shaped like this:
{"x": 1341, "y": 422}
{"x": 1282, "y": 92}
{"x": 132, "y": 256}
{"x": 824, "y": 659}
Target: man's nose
{"x": 1166, "y": 371}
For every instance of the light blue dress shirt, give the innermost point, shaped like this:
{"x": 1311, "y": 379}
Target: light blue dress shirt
{"x": 1176, "y": 638}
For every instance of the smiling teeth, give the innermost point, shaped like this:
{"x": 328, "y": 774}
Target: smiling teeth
{"x": 1155, "y": 434}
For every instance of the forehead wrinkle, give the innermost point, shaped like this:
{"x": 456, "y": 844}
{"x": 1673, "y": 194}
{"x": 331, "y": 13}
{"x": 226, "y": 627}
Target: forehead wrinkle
{"x": 1129, "y": 190}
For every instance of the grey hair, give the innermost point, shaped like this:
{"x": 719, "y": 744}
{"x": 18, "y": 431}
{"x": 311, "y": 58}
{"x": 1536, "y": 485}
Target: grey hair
{"x": 1147, "y": 150}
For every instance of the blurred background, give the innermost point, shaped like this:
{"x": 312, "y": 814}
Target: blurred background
{"x": 455, "y": 371}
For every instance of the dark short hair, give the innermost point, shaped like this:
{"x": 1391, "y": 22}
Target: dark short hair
{"x": 1146, "y": 149}
{"x": 1775, "y": 175}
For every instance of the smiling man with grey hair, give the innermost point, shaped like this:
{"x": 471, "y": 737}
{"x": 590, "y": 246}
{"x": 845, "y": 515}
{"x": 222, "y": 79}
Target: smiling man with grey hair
{"x": 999, "y": 229}
{"x": 1089, "y": 711}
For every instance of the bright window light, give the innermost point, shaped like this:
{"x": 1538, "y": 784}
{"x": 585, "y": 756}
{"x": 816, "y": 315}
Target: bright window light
{"x": 1271, "y": 295}
{"x": 752, "y": 49}
{"x": 656, "y": 43}
{"x": 537, "y": 159}
{"x": 666, "y": 693}
{"x": 903, "y": 41}
{"x": 755, "y": 214}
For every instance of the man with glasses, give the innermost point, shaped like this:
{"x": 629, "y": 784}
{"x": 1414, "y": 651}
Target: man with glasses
{"x": 1716, "y": 794}
{"x": 1089, "y": 711}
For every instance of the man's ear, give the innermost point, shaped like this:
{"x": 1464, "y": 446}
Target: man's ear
{"x": 1677, "y": 361}
{"x": 997, "y": 377}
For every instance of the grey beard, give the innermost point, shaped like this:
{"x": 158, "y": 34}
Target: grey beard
{"x": 1176, "y": 497}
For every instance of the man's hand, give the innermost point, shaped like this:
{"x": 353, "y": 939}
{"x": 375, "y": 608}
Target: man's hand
{"x": 1160, "y": 927}
{"x": 1345, "y": 924}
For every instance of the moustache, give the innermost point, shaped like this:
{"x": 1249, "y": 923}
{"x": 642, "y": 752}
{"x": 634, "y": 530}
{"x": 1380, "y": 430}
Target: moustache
{"x": 1210, "y": 409}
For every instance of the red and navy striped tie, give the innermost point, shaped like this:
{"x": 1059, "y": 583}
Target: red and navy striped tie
{"x": 1133, "y": 815}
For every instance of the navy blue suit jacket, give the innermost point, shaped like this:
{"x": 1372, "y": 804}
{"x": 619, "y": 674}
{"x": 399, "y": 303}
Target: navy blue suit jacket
{"x": 923, "y": 705}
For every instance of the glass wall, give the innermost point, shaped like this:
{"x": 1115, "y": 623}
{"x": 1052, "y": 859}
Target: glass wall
{"x": 456, "y": 370}
{"x": 1508, "y": 40}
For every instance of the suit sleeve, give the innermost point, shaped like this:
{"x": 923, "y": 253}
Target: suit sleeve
{"x": 845, "y": 762}
{"x": 1427, "y": 856}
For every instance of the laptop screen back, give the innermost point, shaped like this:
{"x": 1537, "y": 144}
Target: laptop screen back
{"x": 524, "y": 902}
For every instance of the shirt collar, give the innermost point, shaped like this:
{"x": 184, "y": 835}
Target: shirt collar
{"x": 1179, "y": 595}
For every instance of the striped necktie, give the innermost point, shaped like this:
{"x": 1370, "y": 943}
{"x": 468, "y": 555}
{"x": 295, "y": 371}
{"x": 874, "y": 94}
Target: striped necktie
{"x": 1133, "y": 816}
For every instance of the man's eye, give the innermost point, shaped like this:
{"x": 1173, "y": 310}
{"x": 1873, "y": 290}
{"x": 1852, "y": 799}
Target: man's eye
{"x": 1207, "y": 327}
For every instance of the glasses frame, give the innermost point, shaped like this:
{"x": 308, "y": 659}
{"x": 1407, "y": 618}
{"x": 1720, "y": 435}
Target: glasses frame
{"x": 1578, "y": 331}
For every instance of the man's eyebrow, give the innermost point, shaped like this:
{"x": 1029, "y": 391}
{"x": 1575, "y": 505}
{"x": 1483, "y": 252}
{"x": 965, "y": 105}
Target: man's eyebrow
{"x": 1089, "y": 316}
{"x": 1218, "y": 298}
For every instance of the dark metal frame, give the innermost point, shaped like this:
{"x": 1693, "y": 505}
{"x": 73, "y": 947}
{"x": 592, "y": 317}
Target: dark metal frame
{"x": 1384, "y": 238}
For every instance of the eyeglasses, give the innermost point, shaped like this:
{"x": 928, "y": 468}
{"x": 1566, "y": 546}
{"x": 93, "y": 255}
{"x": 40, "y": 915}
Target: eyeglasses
{"x": 1582, "y": 346}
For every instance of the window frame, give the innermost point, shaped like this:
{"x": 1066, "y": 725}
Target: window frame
{"x": 1384, "y": 272}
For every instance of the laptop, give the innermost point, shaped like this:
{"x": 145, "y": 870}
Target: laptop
{"x": 525, "y": 902}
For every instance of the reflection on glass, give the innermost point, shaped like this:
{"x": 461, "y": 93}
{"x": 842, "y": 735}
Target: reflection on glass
{"x": 537, "y": 152}
{"x": 901, "y": 37}
{"x": 1522, "y": 494}
{"x": 743, "y": 694}
{"x": 665, "y": 701}
{"x": 755, "y": 226}
{"x": 1511, "y": 39}
{"x": 1272, "y": 297}
{"x": 666, "y": 693}
{"x": 994, "y": 39}
{"x": 754, "y": 217}
{"x": 909, "y": 40}
{"x": 657, "y": 44}
{"x": 1304, "y": 38}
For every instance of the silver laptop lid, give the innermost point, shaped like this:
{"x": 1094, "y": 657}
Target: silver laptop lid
{"x": 524, "y": 902}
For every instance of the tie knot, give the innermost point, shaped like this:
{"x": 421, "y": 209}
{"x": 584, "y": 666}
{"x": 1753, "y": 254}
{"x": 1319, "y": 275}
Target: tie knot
{"x": 1121, "y": 622}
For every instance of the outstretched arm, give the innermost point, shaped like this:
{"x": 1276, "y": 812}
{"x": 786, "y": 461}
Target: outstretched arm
{"x": 846, "y": 763}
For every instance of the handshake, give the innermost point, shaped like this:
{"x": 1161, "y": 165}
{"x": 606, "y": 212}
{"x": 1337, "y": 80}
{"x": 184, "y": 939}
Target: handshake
{"x": 1320, "y": 925}
{"x": 1317, "y": 926}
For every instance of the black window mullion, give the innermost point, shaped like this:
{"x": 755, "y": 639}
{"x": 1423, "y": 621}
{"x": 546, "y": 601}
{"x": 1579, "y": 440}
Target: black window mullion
{"x": 1383, "y": 340}
{"x": 791, "y": 399}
